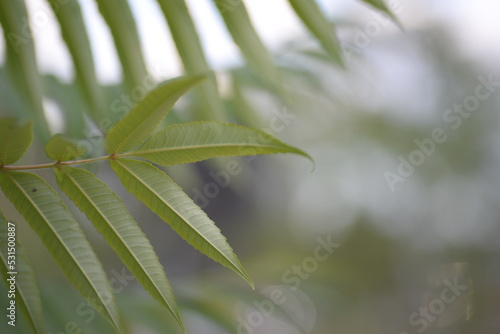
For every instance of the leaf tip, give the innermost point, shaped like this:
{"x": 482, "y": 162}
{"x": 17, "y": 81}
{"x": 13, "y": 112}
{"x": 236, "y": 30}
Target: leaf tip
{"x": 305, "y": 155}
{"x": 179, "y": 321}
{"x": 246, "y": 277}
{"x": 313, "y": 165}
{"x": 197, "y": 78}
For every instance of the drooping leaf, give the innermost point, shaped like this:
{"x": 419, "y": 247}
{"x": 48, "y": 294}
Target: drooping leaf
{"x": 61, "y": 234}
{"x": 165, "y": 198}
{"x": 318, "y": 25}
{"x": 21, "y": 62}
{"x": 27, "y": 296}
{"x": 196, "y": 141}
{"x": 244, "y": 35}
{"x": 380, "y": 5}
{"x": 9, "y": 98}
{"x": 187, "y": 42}
{"x": 74, "y": 33}
{"x": 241, "y": 107}
{"x": 121, "y": 22}
{"x": 132, "y": 130}
{"x": 110, "y": 217}
{"x": 14, "y": 140}
{"x": 62, "y": 148}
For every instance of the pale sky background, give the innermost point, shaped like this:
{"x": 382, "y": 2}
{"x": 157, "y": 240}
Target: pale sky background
{"x": 475, "y": 24}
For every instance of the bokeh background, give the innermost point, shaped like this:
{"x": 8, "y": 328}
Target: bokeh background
{"x": 397, "y": 233}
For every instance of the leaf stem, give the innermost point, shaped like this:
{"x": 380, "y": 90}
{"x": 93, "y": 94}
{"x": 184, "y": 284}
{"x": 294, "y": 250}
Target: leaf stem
{"x": 58, "y": 163}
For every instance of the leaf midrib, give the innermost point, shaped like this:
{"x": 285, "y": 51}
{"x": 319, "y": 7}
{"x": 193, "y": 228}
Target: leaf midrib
{"x": 64, "y": 245}
{"x": 131, "y": 133}
{"x": 119, "y": 236}
{"x": 194, "y": 147}
{"x": 175, "y": 211}
{"x": 137, "y": 128}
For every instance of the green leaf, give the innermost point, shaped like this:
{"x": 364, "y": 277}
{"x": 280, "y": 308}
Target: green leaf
{"x": 244, "y": 35}
{"x": 240, "y": 106}
{"x": 118, "y": 16}
{"x": 21, "y": 62}
{"x": 14, "y": 140}
{"x": 319, "y": 26}
{"x": 196, "y": 141}
{"x": 110, "y": 217}
{"x": 27, "y": 296}
{"x": 165, "y": 198}
{"x": 380, "y": 5}
{"x": 187, "y": 42}
{"x": 69, "y": 16}
{"x": 62, "y": 148}
{"x": 9, "y": 97}
{"x": 132, "y": 130}
{"x": 61, "y": 234}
